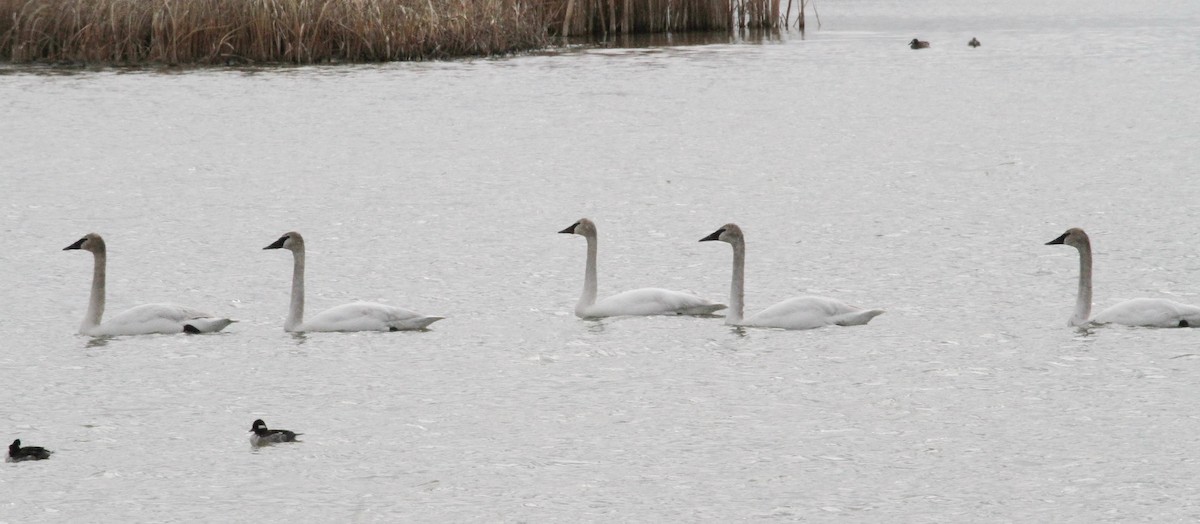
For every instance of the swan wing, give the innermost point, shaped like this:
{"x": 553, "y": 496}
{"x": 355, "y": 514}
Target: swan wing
{"x": 368, "y": 316}
{"x": 651, "y": 301}
{"x": 809, "y": 312}
{"x": 1150, "y": 312}
{"x": 160, "y": 318}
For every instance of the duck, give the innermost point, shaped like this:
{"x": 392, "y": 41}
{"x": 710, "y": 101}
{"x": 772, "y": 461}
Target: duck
{"x": 146, "y": 319}
{"x": 16, "y": 453}
{"x": 1140, "y": 312}
{"x": 355, "y": 316}
{"x": 261, "y": 436}
{"x": 974, "y": 42}
{"x": 918, "y": 44}
{"x": 803, "y": 312}
{"x": 637, "y": 302}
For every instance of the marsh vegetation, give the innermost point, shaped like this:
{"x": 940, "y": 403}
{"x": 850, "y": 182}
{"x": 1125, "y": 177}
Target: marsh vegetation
{"x": 323, "y": 31}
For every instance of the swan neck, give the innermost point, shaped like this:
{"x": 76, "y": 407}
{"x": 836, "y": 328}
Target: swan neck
{"x": 737, "y": 285}
{"x": 296, "y": 309}
{"x": 1083, "y": 301}
{"x": 589, "y": 277}
{"x": 96, "y": 300}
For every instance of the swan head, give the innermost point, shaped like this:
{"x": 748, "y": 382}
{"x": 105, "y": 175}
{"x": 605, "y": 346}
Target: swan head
{"x": 1074, "y": 237}
{"x": 90, "y": 242}
{"x": 730, "y": 233}
{"x": 291, "y": 241}
{"x": 583, "y": 227}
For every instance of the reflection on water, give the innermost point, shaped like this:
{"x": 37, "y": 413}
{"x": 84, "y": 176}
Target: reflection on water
{"x": 98, "y": 342}
{"x": 638, "y": 41}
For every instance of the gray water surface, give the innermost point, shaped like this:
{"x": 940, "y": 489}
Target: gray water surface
{"x": 923, "y": 183}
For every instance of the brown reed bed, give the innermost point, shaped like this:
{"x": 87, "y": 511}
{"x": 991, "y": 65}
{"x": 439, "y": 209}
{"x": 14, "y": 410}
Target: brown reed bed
{"x": 271, "y": 31}
{"x": 320, "y": 31}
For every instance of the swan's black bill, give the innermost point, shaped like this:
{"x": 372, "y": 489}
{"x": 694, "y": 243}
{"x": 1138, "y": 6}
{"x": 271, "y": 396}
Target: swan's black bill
{"x": 1059, "y": 240}
{"x": 77, "y": 245}
{"x": 278, "y": 243}
{"x": 570, "y": 230}
{"x": 716, "y": 235}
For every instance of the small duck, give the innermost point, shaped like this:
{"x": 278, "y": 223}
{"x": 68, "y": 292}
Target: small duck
{"x": 918, "y": 44}
{"x": 16, "y": 453}
{"x": 262, "y": 436}
{"x": 974, "y": 42}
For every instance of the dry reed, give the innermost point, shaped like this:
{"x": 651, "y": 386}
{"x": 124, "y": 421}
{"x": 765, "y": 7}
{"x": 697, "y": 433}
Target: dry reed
{"x": 317, "y": 31}
{"x": 295, "y": 31}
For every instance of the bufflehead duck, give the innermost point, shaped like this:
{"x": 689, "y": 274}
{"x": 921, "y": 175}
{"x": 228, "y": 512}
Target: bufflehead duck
{"x": 16, "y": 453}
{"x": 918, "y": 44}
{"x": 974, "y": 42}
{"x": 261, "y": 436}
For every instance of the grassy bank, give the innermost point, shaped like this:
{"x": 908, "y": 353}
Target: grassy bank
{"x": 320, "y": 31}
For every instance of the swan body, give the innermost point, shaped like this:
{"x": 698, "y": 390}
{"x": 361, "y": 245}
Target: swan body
{"x": 140, "y": 320}
{"x": 639, "y": 302}
{"x": 1144, "y": 312}
{"x": 810, "y": 312}
{"x": 261, "y": 436}
{"x": 803, "y": 312}
{"x": 356, "y": 316}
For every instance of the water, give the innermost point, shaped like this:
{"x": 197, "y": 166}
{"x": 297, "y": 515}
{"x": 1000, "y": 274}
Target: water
{"x": 924, "y": 183}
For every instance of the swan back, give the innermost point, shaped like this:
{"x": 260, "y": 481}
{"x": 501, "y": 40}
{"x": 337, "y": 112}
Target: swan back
{"x": 367, "y": 316}
{"x": 810, "y": 312}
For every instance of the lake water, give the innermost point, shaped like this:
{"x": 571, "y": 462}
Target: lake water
{"x": 924, "y": 183}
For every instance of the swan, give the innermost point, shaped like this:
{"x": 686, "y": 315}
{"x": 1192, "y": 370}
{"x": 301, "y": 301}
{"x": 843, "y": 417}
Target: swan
{"x": 1146, "y": 312}
{"x": 141, "y": 320}
{"x": 805, "y": 312}
{"x": 356, "y": 316}
{"x": 644, "y": 301}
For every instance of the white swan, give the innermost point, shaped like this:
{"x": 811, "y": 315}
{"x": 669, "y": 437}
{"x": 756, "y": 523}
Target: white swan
{"x": 356, "y": 316}
{"x": 141, "y": 320}
{"x": 1147, "y": 312}
{"x": 645, "y": 301}
{"x": 806, "y": 312}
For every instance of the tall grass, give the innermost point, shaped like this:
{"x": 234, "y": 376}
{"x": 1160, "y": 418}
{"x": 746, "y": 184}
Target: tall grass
{"x": 316, "y": 31}
{"x": 296, "y": 31}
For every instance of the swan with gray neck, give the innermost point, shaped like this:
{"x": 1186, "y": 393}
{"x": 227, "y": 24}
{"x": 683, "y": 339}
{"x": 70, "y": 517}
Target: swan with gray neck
{"x": 356, "y": 316}
{"x": 1144, "y": 312}
{"x": 804, "y": 312}
{"x": 643, "y": 302}
{"x": 146, "y": 319}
